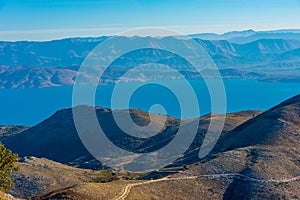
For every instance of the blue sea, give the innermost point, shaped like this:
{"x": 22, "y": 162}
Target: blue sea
{"x": 30, "y": 106}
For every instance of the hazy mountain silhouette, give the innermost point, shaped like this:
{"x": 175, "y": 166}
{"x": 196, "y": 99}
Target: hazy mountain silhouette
{"x": 55, "y": 63}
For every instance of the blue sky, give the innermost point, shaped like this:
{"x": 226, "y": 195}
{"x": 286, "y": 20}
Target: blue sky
{"x": 51, "y": 19}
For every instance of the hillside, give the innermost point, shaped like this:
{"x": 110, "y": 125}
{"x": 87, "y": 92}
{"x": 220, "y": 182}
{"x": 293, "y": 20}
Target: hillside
{"x": 39, "y": 175}
{"x": 42, "y": 139}
{"x": 259, "y": 160}
{"x": 279, "y": 126}
{"x": 257, "y": 157}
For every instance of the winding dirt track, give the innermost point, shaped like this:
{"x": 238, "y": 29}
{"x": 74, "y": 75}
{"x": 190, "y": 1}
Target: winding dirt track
{"x": 128, "y": 187}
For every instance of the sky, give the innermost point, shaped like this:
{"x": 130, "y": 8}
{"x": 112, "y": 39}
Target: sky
{"x": 54, "y": 19}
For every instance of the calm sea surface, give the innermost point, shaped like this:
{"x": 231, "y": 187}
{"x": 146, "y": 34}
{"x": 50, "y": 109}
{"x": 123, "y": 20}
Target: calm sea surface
{"x": 31, "y": 106}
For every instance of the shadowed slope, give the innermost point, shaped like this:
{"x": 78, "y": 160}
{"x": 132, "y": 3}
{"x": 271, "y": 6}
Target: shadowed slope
{"x": 278, "y": 126}
{"x": 57, "y": 139}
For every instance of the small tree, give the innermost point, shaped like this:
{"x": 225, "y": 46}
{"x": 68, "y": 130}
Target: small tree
{"x": 7, "y": 166}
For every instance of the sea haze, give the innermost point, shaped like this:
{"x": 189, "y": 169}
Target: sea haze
{"x": 30, "y": 106}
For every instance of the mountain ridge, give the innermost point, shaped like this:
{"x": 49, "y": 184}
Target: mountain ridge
{"x": 56, "y": 63}
{"x": 282, "y": 121}
{"x": 37, "y": 140}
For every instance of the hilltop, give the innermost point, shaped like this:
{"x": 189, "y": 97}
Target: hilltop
{"x": 56, "y": 138}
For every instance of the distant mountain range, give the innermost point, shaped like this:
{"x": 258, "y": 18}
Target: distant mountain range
{"x": 264, "y": 56}
{"x": 250, "y": 35}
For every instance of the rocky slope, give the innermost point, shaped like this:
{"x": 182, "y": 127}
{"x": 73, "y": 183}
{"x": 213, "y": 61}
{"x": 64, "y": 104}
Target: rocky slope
{"x": 39, "y": 175}
{"x": 277, "y": 127}
{"x": 56, "y": 138}
{"x": 6, "y": 131}
{"x": 257, "y": 160}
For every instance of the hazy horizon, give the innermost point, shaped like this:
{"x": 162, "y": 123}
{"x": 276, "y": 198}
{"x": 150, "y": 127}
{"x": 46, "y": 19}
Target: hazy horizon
{"x": 188, "y": 34}
{"x": 53, "y": 19}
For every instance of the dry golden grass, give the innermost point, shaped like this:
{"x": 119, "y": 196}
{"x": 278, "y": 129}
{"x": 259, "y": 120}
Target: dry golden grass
{"x": 180, "y": 189}
{"x": 3, "y": 196}
{"x": 91, "y": 191}
{"x": 37, "y": 176}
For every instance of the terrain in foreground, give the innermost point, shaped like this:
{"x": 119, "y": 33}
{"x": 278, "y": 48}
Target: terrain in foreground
{"x": 257, "y": 157}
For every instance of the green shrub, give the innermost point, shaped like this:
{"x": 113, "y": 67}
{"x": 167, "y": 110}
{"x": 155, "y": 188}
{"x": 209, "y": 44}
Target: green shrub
{"x": 7, "y": 166}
